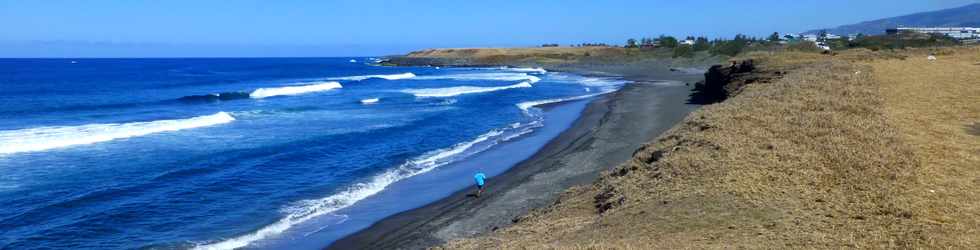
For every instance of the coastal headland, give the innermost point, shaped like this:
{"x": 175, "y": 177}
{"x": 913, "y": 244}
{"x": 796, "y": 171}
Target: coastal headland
{"x": 856, "y": 149}
{"x": 607, "y": 132}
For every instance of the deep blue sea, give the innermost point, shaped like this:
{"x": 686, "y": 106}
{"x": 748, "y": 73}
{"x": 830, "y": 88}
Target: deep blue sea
{"x": 265, "y": 153}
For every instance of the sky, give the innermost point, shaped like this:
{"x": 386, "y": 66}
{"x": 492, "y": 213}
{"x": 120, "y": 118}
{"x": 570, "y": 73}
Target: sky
{"x": 247, "y": 28}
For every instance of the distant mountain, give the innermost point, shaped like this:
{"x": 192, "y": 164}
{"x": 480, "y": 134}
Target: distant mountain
{"x": 966, "y": 16}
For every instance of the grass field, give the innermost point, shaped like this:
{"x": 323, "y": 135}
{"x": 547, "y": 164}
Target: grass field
{"x": 859, "y": 150}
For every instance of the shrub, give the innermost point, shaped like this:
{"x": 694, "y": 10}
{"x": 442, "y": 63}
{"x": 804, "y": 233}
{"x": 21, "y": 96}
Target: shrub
{"x": 684, "y": 50}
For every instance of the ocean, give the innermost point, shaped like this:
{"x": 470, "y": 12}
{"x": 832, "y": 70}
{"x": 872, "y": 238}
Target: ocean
{"x": 262, "y": 153}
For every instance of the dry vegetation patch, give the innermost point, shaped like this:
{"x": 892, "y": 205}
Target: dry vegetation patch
{"x": 934, "y": 104}
{"x": 858, "y": 150}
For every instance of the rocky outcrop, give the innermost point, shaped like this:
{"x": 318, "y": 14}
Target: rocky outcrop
{"x": 722, "y": 82}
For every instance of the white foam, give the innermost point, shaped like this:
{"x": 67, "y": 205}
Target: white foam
{"x": 531, "y": 70}
{"x": 45, "y": 138}
{"x": 353, "y": 61}
{"x": 308, "y": 209}
{"x": 601, "y": 82}
{"x": 461, "y": 90}
{"x": 483, "y": 77}
{"x": 365, "y": 77}
{"x": 526, "y": 106}
{"x": 370, "y": 101}
{"x": 294, "y": 90}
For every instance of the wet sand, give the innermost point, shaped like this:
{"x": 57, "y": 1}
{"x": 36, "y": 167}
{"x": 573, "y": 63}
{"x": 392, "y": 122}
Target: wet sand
{"x": 605, "y": 135}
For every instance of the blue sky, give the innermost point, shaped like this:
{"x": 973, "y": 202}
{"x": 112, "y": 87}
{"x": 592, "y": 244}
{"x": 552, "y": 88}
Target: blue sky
{"x": 176, "y": 28}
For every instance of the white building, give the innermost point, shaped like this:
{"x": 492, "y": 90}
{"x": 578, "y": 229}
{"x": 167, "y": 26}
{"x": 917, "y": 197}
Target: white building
{"x": 688, "y": 42}
{"x": 811, "y": 37}
{"x": 953, "y": 32}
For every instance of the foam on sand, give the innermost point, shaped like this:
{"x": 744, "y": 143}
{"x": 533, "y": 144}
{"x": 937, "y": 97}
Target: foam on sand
{"x": 601, "y": 81}
{"x": 45, "y": 138}
{"x": 294, "y": 90}
{"x": 370, "y": 101}
{"x": 461, "y": 90}
{"x": 531, "y": 70}
{"x": 309, "y": 209}
{"x": 365, "y": 77}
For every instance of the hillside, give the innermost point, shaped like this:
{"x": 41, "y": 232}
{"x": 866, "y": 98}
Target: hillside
{"x": 968, "y": 16}
{"x": 588, "y": 60}
{"x": 859, "y": 150}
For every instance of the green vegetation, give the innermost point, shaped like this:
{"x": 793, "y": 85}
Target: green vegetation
{"x": 740, "y": 44}
{"x": 897, "y": 41}
{"x": 774, "y": 37}
{"x": 716, "y": 47}
{"x": 731, "y": 47}
{"x": 701, "y": 44}
{"x": 631, "y": 43}
{"x": 667, "y": 41}
{"x": 684, "y": 50}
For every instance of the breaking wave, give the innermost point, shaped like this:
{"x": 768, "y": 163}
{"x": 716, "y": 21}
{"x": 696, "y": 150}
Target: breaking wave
{"x": 293, "y": 90}
{"x": 461, "y": 90}
{"x": 45, "y": 138}
{"x": 526, "y": 106}
{"x": 370, "y": 101}
{"x": 224, "y": 96}
{"x": 305, "y": 210}
{"x": 365, "y": 77}
{"x": 483, "y": 77}
{"x": 262, "y": 93}
{"x": 530, "y": 70}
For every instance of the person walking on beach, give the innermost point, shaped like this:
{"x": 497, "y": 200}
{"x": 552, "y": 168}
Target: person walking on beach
{"x": 480, "y": 181}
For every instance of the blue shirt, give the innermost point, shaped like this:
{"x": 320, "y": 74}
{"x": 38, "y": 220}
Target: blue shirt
{"x": 480, "y": 177}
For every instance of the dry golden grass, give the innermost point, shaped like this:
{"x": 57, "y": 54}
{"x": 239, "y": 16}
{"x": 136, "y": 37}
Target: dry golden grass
{"x": 487, "y": 52}
{"x": 858, "y": 150}
{"x": 934, "y": 104}
{"x": 544, "y": 55}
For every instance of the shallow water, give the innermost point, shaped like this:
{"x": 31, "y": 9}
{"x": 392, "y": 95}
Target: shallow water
{"x": 265, "y": 153}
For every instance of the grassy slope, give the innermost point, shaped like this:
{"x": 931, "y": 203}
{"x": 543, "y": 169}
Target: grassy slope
{"x": 858, "y": 150}
{"x": 571, "y": 58}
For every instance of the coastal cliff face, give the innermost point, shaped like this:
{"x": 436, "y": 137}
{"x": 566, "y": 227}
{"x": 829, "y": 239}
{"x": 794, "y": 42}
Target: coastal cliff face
{"x": 848, "y": 151}
{"x": 721, "y": 82}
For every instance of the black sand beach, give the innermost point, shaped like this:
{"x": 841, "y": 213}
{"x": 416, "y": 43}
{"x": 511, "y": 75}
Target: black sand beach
{"x": 605, "y": 135}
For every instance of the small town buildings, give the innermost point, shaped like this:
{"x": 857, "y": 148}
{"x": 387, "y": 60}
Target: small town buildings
{"x": 962, "y": 33}
{"x": 811, "y": 37}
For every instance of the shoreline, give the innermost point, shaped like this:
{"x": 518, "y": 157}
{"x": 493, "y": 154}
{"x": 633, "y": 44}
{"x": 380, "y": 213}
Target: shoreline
{"x": 604, "y": 135}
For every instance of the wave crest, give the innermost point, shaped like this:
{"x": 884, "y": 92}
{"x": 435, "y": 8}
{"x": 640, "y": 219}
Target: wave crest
{"x": 526, "y": 106}
{"x": 45, "y": 138}
{"x": 461, "y": 90}
{"x": 224, "y": 96}
{"x": 294, "y": 90}
{"x": 365, "y": 77}
{"x": 530, "y": 70}
{"x": 370, "y": 101}
{"x": 484, "y": 77}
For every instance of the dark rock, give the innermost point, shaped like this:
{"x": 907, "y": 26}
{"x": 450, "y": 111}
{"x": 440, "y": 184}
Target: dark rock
{"x": 722, "y": 82}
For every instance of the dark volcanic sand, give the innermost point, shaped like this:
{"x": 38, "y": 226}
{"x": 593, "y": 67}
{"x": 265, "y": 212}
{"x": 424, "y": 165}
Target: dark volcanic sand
{"x": 605, "y": 135}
